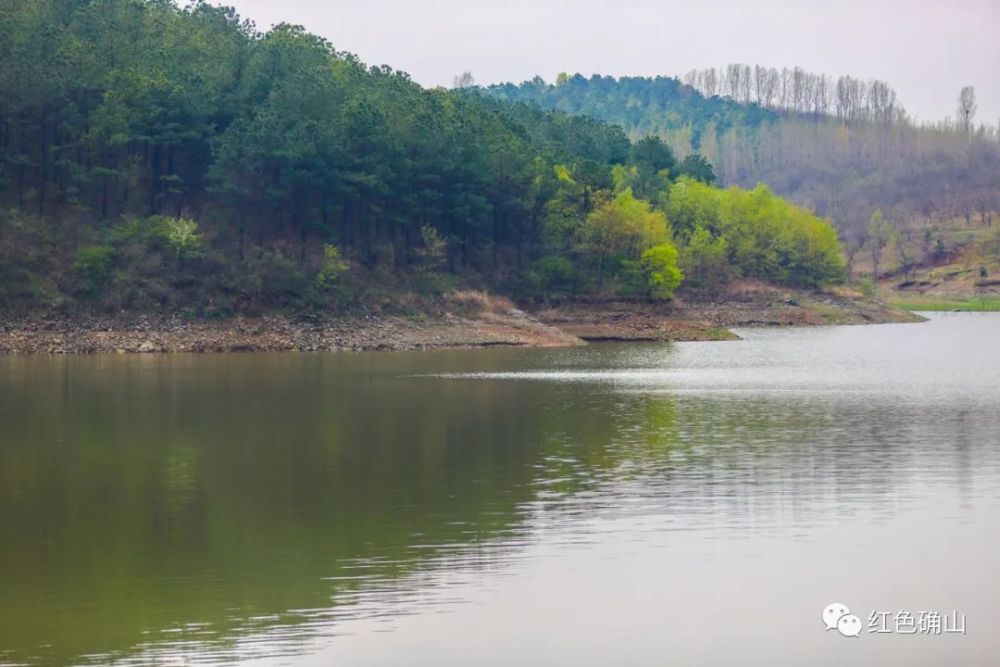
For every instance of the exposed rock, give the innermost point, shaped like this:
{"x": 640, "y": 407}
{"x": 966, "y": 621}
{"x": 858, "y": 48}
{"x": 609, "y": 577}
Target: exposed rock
{"x": 496, "y": 323}
{"x": 703, "y": 317}
{"x": 150, "y": 334}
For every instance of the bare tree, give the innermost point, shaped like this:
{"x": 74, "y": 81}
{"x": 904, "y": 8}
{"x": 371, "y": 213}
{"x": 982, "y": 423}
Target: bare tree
{"x": 464, "y": 80}
{"x": 881, "y": 102}
{"x": 821, "y": 95}
{"x": 785, "y": 89}
{"x": 852, "y": 95}
{"x": 855, "y": 239}
{"x": 771, "y": 89}
{"x": 731, "y": 83}
{"x": 710, "y": 82}
{"x": 798, "y": 89}
{"x": 860, "y": 100}
{"x": 808, "y": 92}
{"x": 759, "y": 84}
{"x": 842, "y": 97}
{"x": 967, "y": 108}
{"x": 745, "y": 84}
{"x": 880, "y": 233}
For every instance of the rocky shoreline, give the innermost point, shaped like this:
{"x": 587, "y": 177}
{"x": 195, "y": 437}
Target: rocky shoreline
{"x": 274, "y": 333}
{"x": 701, "y": 318}
{"x": 499, "y": 324}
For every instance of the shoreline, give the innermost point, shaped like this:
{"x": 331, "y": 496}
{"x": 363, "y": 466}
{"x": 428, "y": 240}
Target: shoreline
{"x": 563, "y": 324}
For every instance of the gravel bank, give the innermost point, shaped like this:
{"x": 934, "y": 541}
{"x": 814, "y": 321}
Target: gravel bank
{"x": 564, "y": 324}
{"x": 151, "y": 334}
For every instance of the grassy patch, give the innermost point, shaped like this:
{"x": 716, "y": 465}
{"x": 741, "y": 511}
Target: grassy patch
{"x": 985, "y": 304}
{"x": 717, "y": 333}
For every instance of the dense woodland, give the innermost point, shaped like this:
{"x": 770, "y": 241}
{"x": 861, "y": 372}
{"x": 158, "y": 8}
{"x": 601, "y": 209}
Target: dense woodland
{"x": 844, "y": 147}
{"x": 155, "y": 156}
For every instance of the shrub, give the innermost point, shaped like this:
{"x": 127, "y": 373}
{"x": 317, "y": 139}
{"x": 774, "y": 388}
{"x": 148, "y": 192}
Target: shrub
{"x": 705, "y": 261}
{"x": 93, "y": 267}
{"x": 868, "y": 287}
{"x": 182, "y": 237}
{"x": 20, "y": 287}
{"x": 663, "y": 277}
{"x": 434, "y": 252}
{"x": 555, "y": 273}
{"x": 333, "y": 265}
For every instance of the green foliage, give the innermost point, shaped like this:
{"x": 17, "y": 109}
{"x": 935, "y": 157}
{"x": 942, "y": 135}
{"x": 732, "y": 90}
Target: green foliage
{"x": 182, "y": 237}
{"x": 706, "y": 260}
{"x": 625, "y": 225}
{"x": 652, "y": 154}
{"x": 567, "y": 204}
{"x": 643, "y": 106}
{"x": 131, "y": 119}
{"x": 762, "y": 236}
{"x": 691, "y": 205}
{"x": 662, "y": 273}
{"x": 982, "y": 304}
{"x": 695, "y": 166}
{"x": 621, "y": 229}
{"x": 333, "y": 266}
{"x": 20, "y": 287}
{"x": 868, "y": 287}
{"x": 553, "y": 273}
{"x": 276, "y": 279}
{"x": 863, "y": 152}
{"x": 93, "y": 266}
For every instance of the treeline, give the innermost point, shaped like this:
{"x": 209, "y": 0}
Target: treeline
{"x": 795, "y": 90}
{"x": 157, "y": 156}
{"x": 642, "y": 106}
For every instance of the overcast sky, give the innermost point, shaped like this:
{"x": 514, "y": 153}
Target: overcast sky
{"x": 927, "y": 49}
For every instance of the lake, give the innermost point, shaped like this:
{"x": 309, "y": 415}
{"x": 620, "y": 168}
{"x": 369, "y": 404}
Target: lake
{"x": 691, "y": 503}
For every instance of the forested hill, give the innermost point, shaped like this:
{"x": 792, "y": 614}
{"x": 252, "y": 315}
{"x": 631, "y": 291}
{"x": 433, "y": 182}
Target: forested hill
{"x": 642, "y": 106}
{"x": 154, "y": 156}
{"x": 844, "y": 147}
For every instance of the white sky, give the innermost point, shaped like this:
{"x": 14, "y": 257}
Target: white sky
{"x": 927, "y": 49}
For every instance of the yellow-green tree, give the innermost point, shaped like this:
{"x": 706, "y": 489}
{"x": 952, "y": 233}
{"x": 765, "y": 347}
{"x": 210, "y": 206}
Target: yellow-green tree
{"x": 621, "y": 229}
{"x": 663, "y": 276}
{"x": 705, "y": 261}
{"x": 751, "y": 233}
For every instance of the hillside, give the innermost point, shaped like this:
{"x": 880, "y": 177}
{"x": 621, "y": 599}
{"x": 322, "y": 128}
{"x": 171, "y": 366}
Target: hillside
{"x": 155, "y": 157}
{"x": 642, "y": 106}
{"x": 966, "y": 277}
{"x": 844, "y": 147}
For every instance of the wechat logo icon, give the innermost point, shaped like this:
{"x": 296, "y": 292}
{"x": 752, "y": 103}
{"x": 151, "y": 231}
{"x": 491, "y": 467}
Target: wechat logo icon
{"x": 838, "y": 617}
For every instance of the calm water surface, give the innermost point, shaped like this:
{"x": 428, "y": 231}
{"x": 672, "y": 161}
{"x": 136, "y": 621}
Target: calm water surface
{"x": 692, "y": 503}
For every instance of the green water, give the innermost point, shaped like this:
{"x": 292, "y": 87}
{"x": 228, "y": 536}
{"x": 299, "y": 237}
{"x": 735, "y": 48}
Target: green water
{"x": 643, "y": 504}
